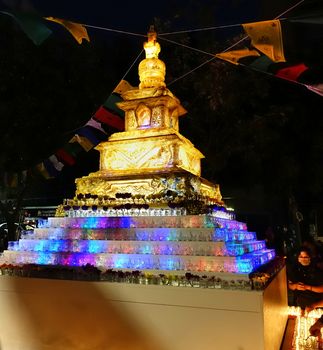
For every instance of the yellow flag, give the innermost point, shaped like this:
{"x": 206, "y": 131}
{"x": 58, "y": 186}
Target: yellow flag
{"x": 78, "y": 31}
{"x": 235, "y": 55}
{"x": 83, "y": 142}
{"x": 122, "y": 87}
{"x": 41, "y": 168}
{"x": 266, "y": 36}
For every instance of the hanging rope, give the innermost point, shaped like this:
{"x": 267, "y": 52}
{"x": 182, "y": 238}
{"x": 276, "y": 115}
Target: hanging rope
{"x": 289, "y": 9}
{"x": 200, "y": 29}
{"x": 128, "y": 70}
{"x": 191, "y": 71}
{"x": 188, "y": 47}
{"x": 113, "y": 30}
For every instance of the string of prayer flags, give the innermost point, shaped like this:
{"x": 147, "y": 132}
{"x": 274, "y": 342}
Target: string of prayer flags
{"x": 87, "y": 136}
{"x": 33, "y": 26}
{"x": 53, "y": 165}
{"x": 66, "y": 155}
{"x": 289, "y": 49}
{"x": 311, "y": 78}
{"x": 78, "y": 31}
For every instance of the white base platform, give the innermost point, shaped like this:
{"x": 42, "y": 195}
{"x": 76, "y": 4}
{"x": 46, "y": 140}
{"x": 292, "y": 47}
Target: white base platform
{"x": 44, "y": 314}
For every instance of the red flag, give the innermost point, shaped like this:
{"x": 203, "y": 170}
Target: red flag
{"x": 106, "y": 117}
{"x": 292, "y": 72}
{"x": 65, "y": 157}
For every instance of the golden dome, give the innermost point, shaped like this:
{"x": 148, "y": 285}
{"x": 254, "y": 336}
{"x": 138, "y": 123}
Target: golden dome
{"x": 152, "y": 70}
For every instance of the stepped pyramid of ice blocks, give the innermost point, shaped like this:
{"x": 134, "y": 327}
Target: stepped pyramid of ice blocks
{"x": 188, "y": 243}
{"x": 147, "y": 208}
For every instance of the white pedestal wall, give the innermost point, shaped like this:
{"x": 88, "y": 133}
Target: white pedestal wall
{"x": 44, "y": 314}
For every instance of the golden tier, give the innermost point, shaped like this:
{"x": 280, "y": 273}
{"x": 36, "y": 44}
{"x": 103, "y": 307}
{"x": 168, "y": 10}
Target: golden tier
{"x": 157, "y": 190}
{"x": 159, "y": 151}
{"x": 141, "y": 112}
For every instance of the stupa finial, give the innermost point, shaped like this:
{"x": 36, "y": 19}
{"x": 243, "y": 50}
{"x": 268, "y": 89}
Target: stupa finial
{"x": 152, "y": 47}
{"x": 152, "y": 70}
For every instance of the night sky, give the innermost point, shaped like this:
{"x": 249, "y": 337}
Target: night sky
{"x": 136, "y": 16}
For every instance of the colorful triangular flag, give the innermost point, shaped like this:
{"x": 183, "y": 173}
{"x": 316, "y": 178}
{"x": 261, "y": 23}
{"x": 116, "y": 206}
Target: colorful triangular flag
{"x": 292, "y": 72}
{"x": 266, "y": 36}
{"x": 235, "y": 56}
{"x": 42, "y": 170}
{"x": 73, "y": 148}
{"x": 56, "y": 163}
{"x": 78, "y": 31}
{"x": 63, "y": 156}
{"x": 122, "y": 87}
{"x": 93, "y": 135}
{"x": 49, "y": 166}
{"x": 95, "y": 124}
{"x": 85, "y": 143}
{"x": 111, "y": 104}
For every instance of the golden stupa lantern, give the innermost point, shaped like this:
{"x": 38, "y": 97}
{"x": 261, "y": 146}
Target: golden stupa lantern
{"x": 150, "y": 157}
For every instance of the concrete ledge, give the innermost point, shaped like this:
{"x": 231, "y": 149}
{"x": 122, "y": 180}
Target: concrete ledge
{"x": 59, "y": 314}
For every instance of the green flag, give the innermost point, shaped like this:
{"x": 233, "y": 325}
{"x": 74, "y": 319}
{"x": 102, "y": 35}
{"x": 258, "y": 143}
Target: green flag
{"x": 32, "y": 25}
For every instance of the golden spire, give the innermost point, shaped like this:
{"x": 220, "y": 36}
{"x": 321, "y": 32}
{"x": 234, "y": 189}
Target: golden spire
{"x": 152, "y": 47}
{"x": 152, "y": 70}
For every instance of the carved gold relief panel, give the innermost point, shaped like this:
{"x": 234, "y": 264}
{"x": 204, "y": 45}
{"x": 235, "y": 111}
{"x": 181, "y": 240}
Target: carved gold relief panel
{"x": 131, "y": 121}
{"x": 137, "y": 156}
